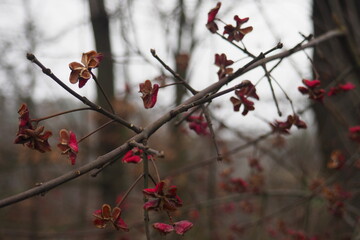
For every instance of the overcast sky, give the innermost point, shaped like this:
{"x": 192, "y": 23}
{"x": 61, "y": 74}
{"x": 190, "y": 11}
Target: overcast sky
{"x": 63, "y": 32}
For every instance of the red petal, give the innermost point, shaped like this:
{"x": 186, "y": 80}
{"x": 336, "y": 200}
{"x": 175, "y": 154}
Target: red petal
{"x": 76, "y": 66}
{"x": 64, "y": 136}
{"x": 132, "y": 159}
{"x": 106, "y": 211}
{"x": 354, "y": 129}
{"x": 303, "y": 90}
{"x": 311, "y": 84}
{"x": 236, "y": 103}
{"x": 119, "y": 223}
{"x": 240, "y": 21}
{"x": 163, "y": 227}
{"x": 82, "y": 82}
{"x": 212, "y": 13}
{"x": 97, "y": 213}
{"x": 158, "y": 189}
{"x": 347, "y": 86}
{"x": 172, "y": 190}
{"x": 115, "y": 214}
{"x": 182, "y": 227}
{"x": 72, "y": 157}
{"x": 99, "y": 223}
{"x": 73, "y": 144}
{"x": 153, "y": 204}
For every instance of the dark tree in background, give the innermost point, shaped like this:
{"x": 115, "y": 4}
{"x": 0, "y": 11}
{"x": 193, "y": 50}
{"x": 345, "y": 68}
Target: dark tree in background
{"x": 337, "y": 61}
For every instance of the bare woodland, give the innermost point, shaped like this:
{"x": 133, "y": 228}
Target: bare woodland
{"x": 160, "y": 157}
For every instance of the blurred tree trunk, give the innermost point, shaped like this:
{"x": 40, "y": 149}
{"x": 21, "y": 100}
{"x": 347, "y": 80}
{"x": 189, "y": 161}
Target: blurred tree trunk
{"x": 101, "y": 28}
{"x": 337, "y": 61}
{"x": 109, "y": 137}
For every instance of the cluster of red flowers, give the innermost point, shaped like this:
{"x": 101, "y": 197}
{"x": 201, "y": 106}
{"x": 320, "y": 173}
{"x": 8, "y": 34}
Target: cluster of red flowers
{"x": 312, "y": 88}
{"x": 284, "y": 127}
{"x": 234, "y": 32}
{"x": 253, "y": 183}
{"x": 198, "y": 124}
{"x": 36, "y": 138}
{"x": 335, "y": 196}
{"x": 107, "y": 215}
{"x": 33, "y": 137}
{"x": 162, "y": 198}
{"x": 243, "y": 94}
{"x": 282, "y": 231}
{"x": 135, "y": 155}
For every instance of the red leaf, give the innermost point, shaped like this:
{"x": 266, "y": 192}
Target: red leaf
{"x": 163, "y": 227}
{"x": 182, "y": 227}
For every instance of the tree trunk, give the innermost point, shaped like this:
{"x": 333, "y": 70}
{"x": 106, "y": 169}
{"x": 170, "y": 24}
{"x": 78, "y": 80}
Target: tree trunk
{"x": 337, "y": 61}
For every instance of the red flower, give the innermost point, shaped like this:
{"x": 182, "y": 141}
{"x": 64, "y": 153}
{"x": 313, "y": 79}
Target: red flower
{"x": 336, "y": 195}
{"x": 105, "y": 215}
{"x": 239, "y": 185}
{"x": 255, "y": 164}
{"x": 312, "y": 90}
{"x": 341, "y": 88}
{"x": 198, "y": 124}
{"x": 34, "y": 138}
{"x": 149, "y": 93}
{"x": 163, "y": 228}
{"x": 168, "y": 201}
{"x": 68, "y": 144}
{"x": 243, "y": 94}
{"x": 211, "y": 25}
{"x": 354, "y": 133}
{"x": 284, "y": 127}
{"x": 280, "y": 127}
{"x": 237, "y": 33}
{"x": 134, "y": 156}
{"x": 311, "y": 83}
{"x": 180, "y": 227}
{"x": 82, "y": 72}
{"x": 222, "y": 62}
{"x": 337, "y": 160}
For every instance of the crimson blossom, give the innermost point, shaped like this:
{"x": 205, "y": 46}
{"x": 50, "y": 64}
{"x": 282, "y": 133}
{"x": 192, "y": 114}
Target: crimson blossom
{"x": 81, "y": 72}
{"x": 68, "y": 144}
{"x": 162, "y": 200}
{"x": 32, "y": 137}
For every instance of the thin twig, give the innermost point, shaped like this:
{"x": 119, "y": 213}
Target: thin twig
{"x": 86, "y": 101}
{"x": 37, "y": 120}
{"x": 176, "y": 76}
{"x": 96, "y": 130}
{"x": 102, "y": 92}
{"x": 146, "y": 185}
{"x": 129, "y": 190}
{"x": 156, "y": 169}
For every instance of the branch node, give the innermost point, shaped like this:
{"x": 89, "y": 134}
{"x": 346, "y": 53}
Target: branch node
{"x": 30, "y": 57}
{"x": 153, "y": 52}
{"x": 47, "y": 71}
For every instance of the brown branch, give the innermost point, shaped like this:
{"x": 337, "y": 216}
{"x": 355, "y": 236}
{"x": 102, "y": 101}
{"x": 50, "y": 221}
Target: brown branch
{"x": 151, "y": 128}
{"x": 86, "y": 101}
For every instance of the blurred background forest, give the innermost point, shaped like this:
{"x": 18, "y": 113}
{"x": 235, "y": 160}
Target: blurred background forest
{"x": 281, "y": 170}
